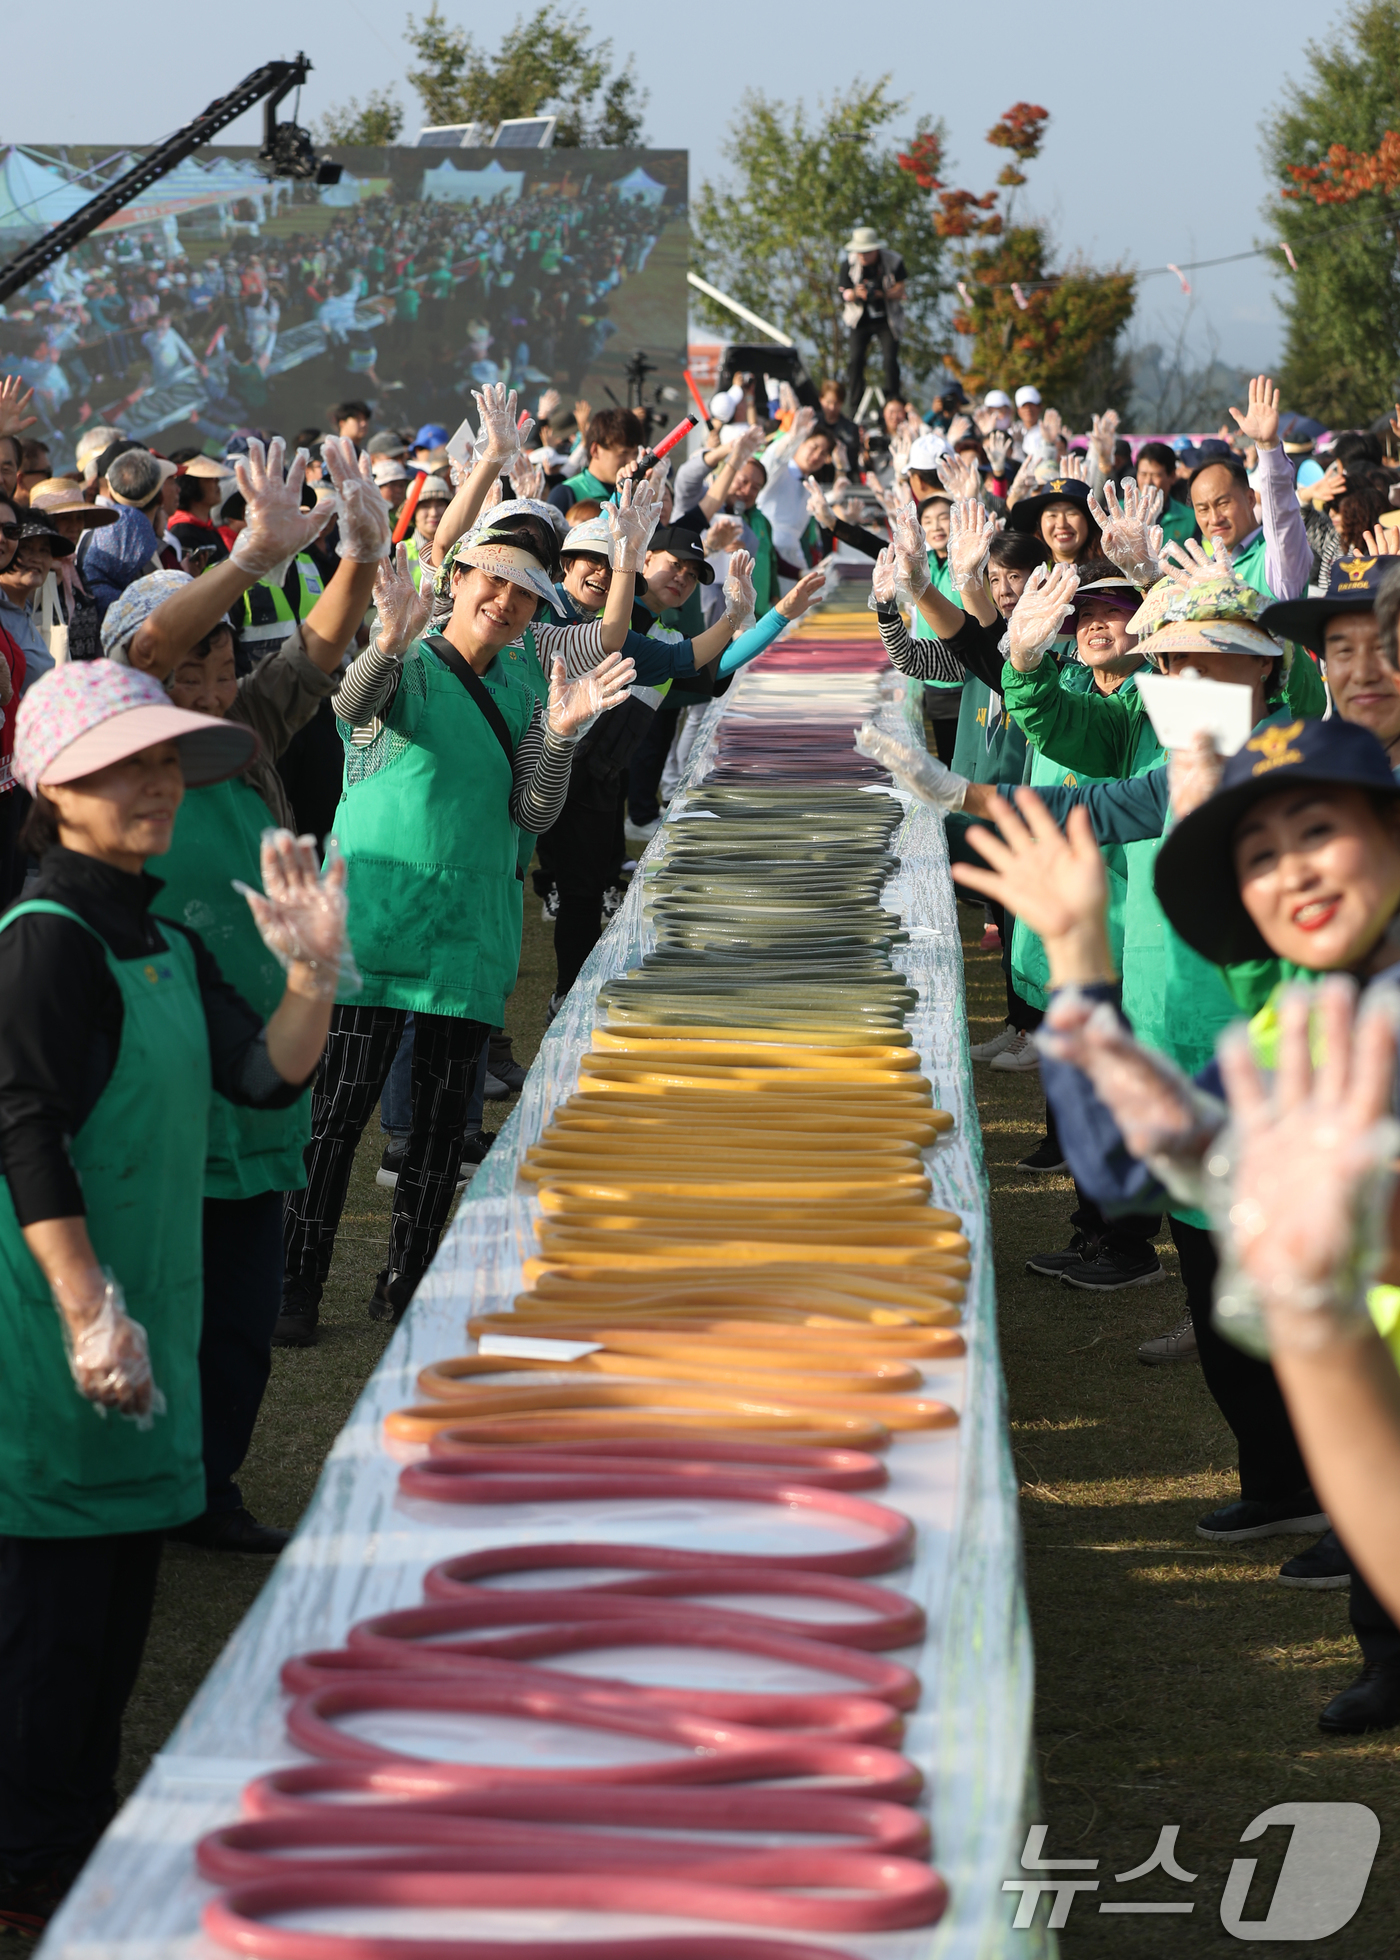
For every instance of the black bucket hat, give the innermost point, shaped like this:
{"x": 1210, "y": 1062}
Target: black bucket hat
{"x": 1025, "y": 515}
{"x": 1353, "y": 586}
{"x": 1195, "y": 871}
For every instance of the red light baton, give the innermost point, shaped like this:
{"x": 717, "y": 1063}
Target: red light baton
{"x": 650, "y": 457}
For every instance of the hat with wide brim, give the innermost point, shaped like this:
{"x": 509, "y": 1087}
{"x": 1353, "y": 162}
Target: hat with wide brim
{"x": 1025, "y": 515}
{"x": 1119, "y": 591}
{"x": 88, "y": 714}
{"x": 1195, "y": 869}
{"x": 59, "y": 496}
{"x": 35, "y": 524}
{"x": 864, "y": 239}
{"x": 1353, "y": 586}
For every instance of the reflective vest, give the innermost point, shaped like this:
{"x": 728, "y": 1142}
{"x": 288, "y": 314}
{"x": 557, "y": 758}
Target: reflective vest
{"x": 268, "y": 611}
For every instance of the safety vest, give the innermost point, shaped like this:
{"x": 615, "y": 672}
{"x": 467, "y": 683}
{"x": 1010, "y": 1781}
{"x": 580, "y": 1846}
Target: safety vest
{"x": 268, "y": 611}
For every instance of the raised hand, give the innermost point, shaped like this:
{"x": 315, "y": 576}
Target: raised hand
{"x": 14, "y": 399}
{"x": 1156, "y": 1107}
{"x": 300, "y": 914}
{"x": 1308, "y": 1164}
{"x": 1073, "y": 466}
{"x": 998, "y": 447}
{"x": 818, "y": 505}
{"x": 1022, "y": 484}
{"x": 805, "y": 594}
{"x": 1132, "y": 537}
{"x": 1103, "y": 433}
{"x": 366, "y": 522}
{"x": 404, "y": 611}
{"x": 960, "y": 426}
{"x": 631, "y": 521}
{"x": 739, "y": 594}
{"x": 1053, "y": 424}
{"x": 959, "y": 475}
{"x": 920, "y": 773}
{"x": 803, "y": 422}
{"x": 1040, "y": 612}
{"x": 526, "y": 478}
{"x": 1194, "y": 774}
{"x": 884, "y": 582}
{"x": 971, "y": 528}
{"x": 1259, "y": 423}
{"x": 911, "y": 550}
{"x": 723, "y": 535}
{"x": 547, "y": 404}
{"x": 500, "y": 439}
{"x": 1383, "y": 542}
{"x": 1185, "y": 563}
{"x": 275, "y": 527}
{"x": 575, "y": 705}
{"x": 1056, "y": 878}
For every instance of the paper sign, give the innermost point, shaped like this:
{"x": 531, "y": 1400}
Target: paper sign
{"x": 1179, "y": 709}
{"x": 524, "y": 1347}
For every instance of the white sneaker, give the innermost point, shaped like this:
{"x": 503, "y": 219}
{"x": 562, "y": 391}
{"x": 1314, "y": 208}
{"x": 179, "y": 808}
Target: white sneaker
{"x": 644, "y": 831}
{"x": 1018, "y": 1057}
{"x": 986, "y": 1051}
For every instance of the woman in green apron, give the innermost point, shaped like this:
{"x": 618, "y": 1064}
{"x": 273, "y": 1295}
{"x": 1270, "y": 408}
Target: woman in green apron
{"x": 450, "y": 755}
{"x": 114, "y": 1031}
{"x": 255, "y": 1155}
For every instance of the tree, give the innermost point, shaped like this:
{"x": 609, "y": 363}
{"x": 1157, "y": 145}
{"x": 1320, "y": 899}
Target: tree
{"x": 379, "y": 122}
{"x": 545, "y": 67}
{"x": 1027, "y": 322}
{"x": 772, "y": 234}
{"x": 1332, "y": 151}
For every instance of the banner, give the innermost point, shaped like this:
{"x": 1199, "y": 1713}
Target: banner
{"x": 222, "y": 299}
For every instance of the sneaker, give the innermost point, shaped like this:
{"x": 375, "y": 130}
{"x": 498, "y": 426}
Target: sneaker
{"x": 232, "y": 1531}
{"x": 629, "y": 865}
{"x": 987, "y": 1051}
{"x": 1047, "y": 1158}
{"x": 556, "y": 1001}
{"x": 1020, "y": 1056}
{"x": 1178, "y": 1345}
{"x": 474, "y": 1156}
{"x": 643, "y": 831}
{"x": 494, "y": 1089}
{"x": 1289, "y": 1517}
{"x": 301, "y": 1309}
{"x": 612, "y": 901}
{"x": 549, "y": 911}
{"x": 391, "y": 1163}
{"x": 393, "y": 1294}
{"x": 508, "y": 1075}
{"x": 1371, "y": 1702}
{"x": 990, "y": 942}
{"x": 1323, "y": 1567}
{"x": 1050, "y": 1265}
{"x": 1111, "y": 1268}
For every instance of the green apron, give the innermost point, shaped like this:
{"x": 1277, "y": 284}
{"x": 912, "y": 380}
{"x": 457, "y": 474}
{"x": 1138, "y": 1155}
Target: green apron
{"x": 431, "y": 852}
{"x": 765, "y": 566}
{"x": 943, "y": 584}
{"x": 218, "y": 837}
{"x": 67, "y": 1470}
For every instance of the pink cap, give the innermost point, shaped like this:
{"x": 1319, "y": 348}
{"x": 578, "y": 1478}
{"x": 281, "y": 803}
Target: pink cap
{"x": 83, "y": 716}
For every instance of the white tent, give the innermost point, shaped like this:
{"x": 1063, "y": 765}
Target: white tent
{"x": 640, "y": 187}
{"x": 462, "y": 186}
{"x": 34, "y": 196}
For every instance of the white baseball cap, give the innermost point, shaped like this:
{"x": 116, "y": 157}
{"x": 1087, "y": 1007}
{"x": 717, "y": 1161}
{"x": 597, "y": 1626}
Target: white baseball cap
{"x": 1024, "y": 395}
{"x": 925, "y": 452}
{"x": 996, "y": 398}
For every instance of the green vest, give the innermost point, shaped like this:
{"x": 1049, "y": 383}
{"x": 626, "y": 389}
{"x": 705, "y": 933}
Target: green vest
{"x": 1178, "y": 521}
{"x": 430, "y": 848}
{"x": 585, "y": 484}
{"x": 765, "y": 564}
{"x": 218, "y": 837}
{"x": 66, "y": 1469}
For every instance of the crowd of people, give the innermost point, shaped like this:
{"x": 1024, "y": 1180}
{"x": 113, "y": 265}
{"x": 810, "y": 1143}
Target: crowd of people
{"x": 454, "y": 293}
{"x": 281, "y": 746}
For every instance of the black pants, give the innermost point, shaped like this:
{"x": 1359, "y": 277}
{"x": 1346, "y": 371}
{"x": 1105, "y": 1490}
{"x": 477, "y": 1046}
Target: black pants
{"x": 647, "y": 763}
{"x": 1246, "y": 1391}
{"x": 359, "y": 1054}
{"x": 586, "y": 854}
{"x": 243, "y": 1264}
{"x": 1376, "y": 1633}
{"x": 74, "y": 1613}
{"x": 864, "y": 331}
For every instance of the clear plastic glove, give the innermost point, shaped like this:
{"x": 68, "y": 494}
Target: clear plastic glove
{"x": 803, "y": 424}
{"x": 108, "y": 1354}
{"x": 971, "y": 528}
{"x": 884, "y": 587}
{"x": 574, "y": 706}
{"x": 911, "y": 550}
{"x": 739, "y": 595}
{"x": 1040, "y": 612}
{"x": 818, "y": 505}
{"x": 998, "y": 447}
{"x": 1159, "y": 1110}
{"x": 922, "y": 774}
{"x": 1300, "y": 1184}
{"x": 1103, "y": 433}
{"x": 797, "y": 600}
{"x": 1185, "y": 563}
{"x": 547, "y": 404}
{"x": 301, "y": 917}
{"x": 724, "y": 534}
{"x": 1074, "y": 467}
{"x": 526, "y": 478}
{"x": 1194, "y": 773}
{"x": 500, "y": 439}
{"x": 631, "y": 521}
{"x": 404, "y": 611}
{"x": 366, "y": 522}
{"x": 1053, "y": 424}
{"x": 276, "y": 527}
{"x": 1132, "y": 537}
{"x": 959, "y": 475}
{"x": 1022, "y": 484}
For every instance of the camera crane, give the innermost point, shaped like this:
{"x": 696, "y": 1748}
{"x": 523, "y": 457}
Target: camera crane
{"x": 287, "y": 151}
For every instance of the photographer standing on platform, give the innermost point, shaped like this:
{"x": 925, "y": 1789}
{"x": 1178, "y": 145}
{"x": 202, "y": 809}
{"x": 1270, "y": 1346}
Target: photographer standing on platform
{"x": 871, "y": 280}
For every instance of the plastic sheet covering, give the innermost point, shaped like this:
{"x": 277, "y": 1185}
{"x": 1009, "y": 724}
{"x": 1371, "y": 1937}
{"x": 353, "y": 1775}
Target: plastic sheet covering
{"x": 362, "y": 1548}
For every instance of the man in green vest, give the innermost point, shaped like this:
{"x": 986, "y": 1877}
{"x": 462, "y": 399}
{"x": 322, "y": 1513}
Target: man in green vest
{"x": 1156, "y": 470}
{"x": 1269, "y": 547}
{"x": 614, "y": 436}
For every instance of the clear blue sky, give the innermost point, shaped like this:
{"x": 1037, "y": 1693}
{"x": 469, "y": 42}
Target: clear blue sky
{"x": 1152, "y": 155}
